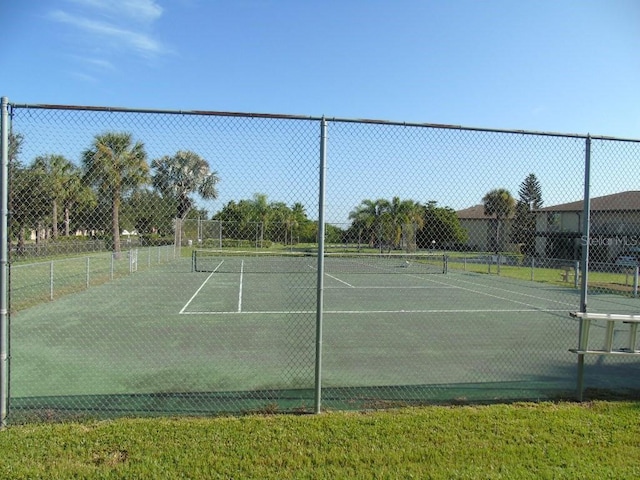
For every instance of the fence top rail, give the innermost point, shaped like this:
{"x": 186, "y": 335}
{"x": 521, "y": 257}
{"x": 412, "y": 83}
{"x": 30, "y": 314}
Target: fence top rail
{"x": 313, "y": 118}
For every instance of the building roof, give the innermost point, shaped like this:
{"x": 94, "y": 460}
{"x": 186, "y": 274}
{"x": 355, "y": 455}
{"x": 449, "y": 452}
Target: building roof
{"x": 473, "y": 213}
{"x": 621, "y": 201}
{"x": 629, "y": 200}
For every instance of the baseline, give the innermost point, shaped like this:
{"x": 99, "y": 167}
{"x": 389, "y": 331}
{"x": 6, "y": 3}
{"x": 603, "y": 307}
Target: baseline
{"x": 364, "y": 312}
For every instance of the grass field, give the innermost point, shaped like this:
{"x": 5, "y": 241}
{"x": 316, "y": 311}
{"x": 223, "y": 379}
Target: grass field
{"x": 593, "y": 440}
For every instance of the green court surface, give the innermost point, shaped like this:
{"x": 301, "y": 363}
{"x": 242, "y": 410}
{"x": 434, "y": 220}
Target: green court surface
{"x": 171, "y": 339}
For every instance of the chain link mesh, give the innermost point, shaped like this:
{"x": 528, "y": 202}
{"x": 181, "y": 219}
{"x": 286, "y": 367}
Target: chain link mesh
{"x": 166, "y": 262}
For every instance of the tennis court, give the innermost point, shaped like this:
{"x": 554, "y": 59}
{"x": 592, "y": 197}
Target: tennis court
{"x": 244, "y": 327}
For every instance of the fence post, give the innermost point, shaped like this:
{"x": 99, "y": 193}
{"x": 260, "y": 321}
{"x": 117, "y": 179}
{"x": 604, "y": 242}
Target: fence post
{"x": 533, "y": 267}
{"x": 51, "y": 280}
{"x": 584, "y": 260}
{"x": 635, "y": 282}
{"x": 4, "y": 265}
{"x": 320, "y": 277}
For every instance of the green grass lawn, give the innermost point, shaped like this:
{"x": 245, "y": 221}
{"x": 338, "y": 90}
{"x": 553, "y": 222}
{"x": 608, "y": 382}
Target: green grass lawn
{"x": 620, "y": 281}
{"x": 545, "y": 440}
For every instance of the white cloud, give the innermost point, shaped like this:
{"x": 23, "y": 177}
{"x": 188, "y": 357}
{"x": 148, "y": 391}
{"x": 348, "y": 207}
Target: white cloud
{"x": 144, "y": 44}
{"x": 142, "y": 11}
{"x": 84, "y": 77}
{"x": 97, "y": 63}
{"x": 108, "y": 33}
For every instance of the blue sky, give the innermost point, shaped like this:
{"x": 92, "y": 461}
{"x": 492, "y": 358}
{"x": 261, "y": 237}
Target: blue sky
{"x": 562, "y": 66}
{"x": 569, "y": 66}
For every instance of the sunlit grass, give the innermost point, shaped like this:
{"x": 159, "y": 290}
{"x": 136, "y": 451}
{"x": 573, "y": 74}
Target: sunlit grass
{"x": 546, "y": 440}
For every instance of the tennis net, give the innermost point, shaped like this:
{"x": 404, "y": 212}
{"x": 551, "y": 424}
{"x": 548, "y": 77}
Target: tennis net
{"x": 306, "y": 262}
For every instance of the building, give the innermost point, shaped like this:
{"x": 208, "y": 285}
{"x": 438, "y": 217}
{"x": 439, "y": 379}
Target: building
{"x": 485, "y": 234}
{"x": 614, "y": 227}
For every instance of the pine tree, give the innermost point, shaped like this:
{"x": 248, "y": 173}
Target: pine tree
{"x": 530, "y": 192}
{"x": 524, "y": 222}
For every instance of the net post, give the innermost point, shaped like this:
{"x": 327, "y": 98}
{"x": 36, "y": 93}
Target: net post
{"x": 4, "y": 265}
{"x": 320, "y": 277}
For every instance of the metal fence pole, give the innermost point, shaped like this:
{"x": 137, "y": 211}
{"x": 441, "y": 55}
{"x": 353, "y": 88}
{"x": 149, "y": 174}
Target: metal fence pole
{"x": 533, "y": 266}
{"x": 51, "y": 281}
{"x": 584, "y": 261}
{"x": 320, "y": 279}
{"x": 4, "y": 265}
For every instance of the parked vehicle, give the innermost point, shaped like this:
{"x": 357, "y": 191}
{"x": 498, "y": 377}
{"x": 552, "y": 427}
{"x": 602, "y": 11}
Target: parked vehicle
{"x": 628, "y": 259}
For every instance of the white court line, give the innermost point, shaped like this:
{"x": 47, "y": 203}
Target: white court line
{"x": 448, "y": 285}
{"x": 240, "y": 292}
{"x": 341, "y": 281}
{"x": 201, "y": 287}
{"x": 364, "y": 312}
{"x": 496, "y": 296}
{"x": 423, "y": 287}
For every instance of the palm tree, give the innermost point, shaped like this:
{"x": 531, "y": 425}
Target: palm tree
{"x": 369, "y": 216}
{"x": 58, "y": 173}
{"x": 76, "y": 194}
{"x": 501, "y": 204}
{"x": 182, "y": 175}
{"x": 19, "y": 192}
{"x": 179, "y": 177}
{"x": 298, "y": 218}
{"x": 115, "y": 166}
{"x": 261, "y": 212}
{"x": 283, "y": 219}
{"x": 404, "y": 216}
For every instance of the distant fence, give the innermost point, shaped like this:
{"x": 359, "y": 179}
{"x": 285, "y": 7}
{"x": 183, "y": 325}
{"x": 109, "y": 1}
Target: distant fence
{"x": 33, "y": 283}
{"x": 531, "y": 225}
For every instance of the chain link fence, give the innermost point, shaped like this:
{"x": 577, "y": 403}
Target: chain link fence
{"x": 205, "y": 263}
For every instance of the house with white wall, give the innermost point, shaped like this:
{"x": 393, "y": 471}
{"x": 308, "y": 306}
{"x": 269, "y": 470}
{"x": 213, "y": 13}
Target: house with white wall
{"x": 614, "y": 227}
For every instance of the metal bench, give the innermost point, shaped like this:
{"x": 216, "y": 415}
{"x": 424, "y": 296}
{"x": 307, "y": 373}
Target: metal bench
{"x": 611, "y": 320}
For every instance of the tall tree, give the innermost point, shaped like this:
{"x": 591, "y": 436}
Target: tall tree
{"x": 298, "y": 220}
{"x": 498, "y": 203}
{"x": 369, "y": 218}
{"x": 179, "y": 177}
{"x": 18, "y": 191}
{"x": 115, "y": 166}
{"x": 524, "y": 222}
{"x": 530, "y": 192}
{"x": 405, "y": 218}
{"x": 261, "y": 213}
{"x": 58, "y": 175}
{"x": 441, "y": 227}
{"x": 182, "y": 175}
{"x": 77, "y": 196}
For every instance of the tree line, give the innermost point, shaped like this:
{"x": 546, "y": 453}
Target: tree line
{"x": 112, "y": 181}
{"x": 521, "y": 214}
{"x": 116, "y": 185}
{"x": 406, "y": 224}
